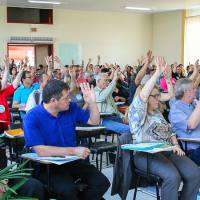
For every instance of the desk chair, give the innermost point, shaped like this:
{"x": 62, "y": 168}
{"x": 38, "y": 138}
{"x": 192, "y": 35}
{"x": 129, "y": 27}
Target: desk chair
{"x": 15, "y": 143}
{"x": 36, "y": 164}
{"x": 126, "y": 174}
{"x": 96, "y": 147}
{"x": 15, "y": 115}
{"x": 150, "y": 178}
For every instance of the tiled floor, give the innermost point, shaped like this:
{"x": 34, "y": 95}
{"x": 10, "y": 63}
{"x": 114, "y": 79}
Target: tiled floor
{"x": 140, "y": 195}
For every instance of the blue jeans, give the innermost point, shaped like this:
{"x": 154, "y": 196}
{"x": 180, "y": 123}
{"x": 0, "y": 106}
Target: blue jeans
{"x": 115, "y": 123}
{"x": 194, "y": 155}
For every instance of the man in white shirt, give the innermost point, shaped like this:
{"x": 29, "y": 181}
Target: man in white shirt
{"x": 106, "y": 104}
{"x": 35, "y": 97}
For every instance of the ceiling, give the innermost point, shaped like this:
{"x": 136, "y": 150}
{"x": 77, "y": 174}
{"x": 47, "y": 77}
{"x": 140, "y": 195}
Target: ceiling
{"x": 110, "y": 5}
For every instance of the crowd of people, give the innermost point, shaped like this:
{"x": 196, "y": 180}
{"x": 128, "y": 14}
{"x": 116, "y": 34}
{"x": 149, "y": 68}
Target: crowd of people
{"x": 162, "y": 105}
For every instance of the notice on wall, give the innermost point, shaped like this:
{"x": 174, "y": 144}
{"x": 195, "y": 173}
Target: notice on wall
{"x": 68, "y": 52}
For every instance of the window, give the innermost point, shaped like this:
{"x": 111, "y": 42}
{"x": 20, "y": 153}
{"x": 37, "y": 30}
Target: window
{"x": 192, "y": 40}
{"x": 29, "y": 15}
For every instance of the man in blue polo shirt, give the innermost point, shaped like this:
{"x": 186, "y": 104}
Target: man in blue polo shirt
{"x": 22, "y": 93}
{"x": 184, "y": 117}
{"x": 50, "y": 130}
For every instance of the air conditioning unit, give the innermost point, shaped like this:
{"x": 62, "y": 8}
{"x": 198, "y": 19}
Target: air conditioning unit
{"x": 35, "y": 40}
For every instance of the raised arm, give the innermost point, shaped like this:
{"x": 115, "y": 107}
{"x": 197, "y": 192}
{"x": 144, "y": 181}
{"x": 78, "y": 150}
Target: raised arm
{"x": 58, "y": 61}
{"x": 90, "y": 100}
{"x": 194, "y": 119}
{"x": 195, "y": 71}
{"x": 5, "y": 73}
{"x": 72, "y": 85}
{"x": 197, "y": 81}
{"x": 146, "y": 62}
{"x": 17, "y": 80}
{"x": 109, "y": 89}
{"x": 148, "y": 87}
{"x": 82, "y": 63}
{"x": 49, "y": 62}
{"x": 88, "y": 64}
{"x": 98, "y": 59}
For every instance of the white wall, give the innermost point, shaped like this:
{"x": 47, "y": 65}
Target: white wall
{"x": 168, "y": 35}
{"x": 117, "y": 37}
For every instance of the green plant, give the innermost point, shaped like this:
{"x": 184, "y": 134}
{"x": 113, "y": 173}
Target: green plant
{"x": 13, "y": 171}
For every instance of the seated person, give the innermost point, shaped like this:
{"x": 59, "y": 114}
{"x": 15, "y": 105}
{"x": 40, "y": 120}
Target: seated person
{"x": 22, "y": 93}
{"x": 148, "y": 124}
{"x": 123, "y": 87}
{"x": 117, "y": 96}
{"x": 35, "y": 97}
{"x": 49, "y": 130}
{"x": 106, "y": 103}
{"x": 5, "y": 92}
{"x": 57, "y": 74}
{"x": 178, "y": 72}
{"x": 184, "y": 117}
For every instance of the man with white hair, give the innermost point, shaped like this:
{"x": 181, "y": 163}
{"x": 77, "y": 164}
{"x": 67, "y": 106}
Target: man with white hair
{"x": 185, "y": 117}
{"x": 106, "y": 104}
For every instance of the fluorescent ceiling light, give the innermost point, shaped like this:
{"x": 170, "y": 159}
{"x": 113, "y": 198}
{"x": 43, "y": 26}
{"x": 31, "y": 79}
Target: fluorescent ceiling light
{"x": 138, "y": 8}
{"x": 45, "y": 2}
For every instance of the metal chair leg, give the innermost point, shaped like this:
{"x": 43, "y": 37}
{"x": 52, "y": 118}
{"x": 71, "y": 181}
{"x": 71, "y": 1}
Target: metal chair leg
{"x": 136, "y": 186}
{"x": 107, "y": 160}
{"x": 157, "y": 191}
{"x": 97, "y": 163}
{"x": 135, "y": 194}
{"x": 93, "y": 156}
{"x": 113, "y": 137}
{"x": 101, "y": 160}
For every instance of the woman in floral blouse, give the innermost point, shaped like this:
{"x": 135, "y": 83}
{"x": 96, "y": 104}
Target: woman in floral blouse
{"x": 147, "y": 124}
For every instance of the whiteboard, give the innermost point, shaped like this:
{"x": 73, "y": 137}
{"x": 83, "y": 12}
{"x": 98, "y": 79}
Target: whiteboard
{"x": 68, "y": 52}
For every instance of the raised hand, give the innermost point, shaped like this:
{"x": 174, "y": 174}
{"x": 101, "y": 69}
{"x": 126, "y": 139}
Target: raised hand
{"x": 57, "y": 59}
{"x": 197, "y": 63}
{"x": 26, "y": 60}
{"x": 161, "y": 65}
{"x": 6, "y": 62}
{"x": 48, "y": 60}
{"x": 141, "y": 61}
{"x": 149, "y": 57}
{"x": 82, "y": 63}
{"x": 72, "y": 73}
{"x": 168, "y": 73}
{"x": 21, "y": 68}
{"x": 116, "y": 74}
{"x": 88, "y": 93}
